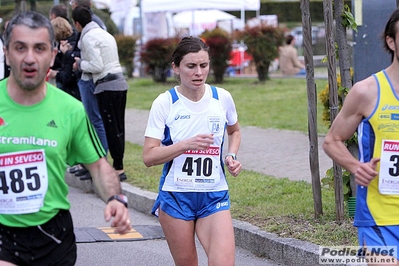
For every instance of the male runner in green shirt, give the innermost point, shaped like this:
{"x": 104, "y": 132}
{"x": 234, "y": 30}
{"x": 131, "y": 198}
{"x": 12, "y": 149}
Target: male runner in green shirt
{"x": 42, "y": 130}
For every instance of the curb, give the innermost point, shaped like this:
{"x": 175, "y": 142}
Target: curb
{"x": 287, "y": 251}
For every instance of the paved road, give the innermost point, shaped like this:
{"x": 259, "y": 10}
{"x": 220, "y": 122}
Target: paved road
{"x": 87, "y": 212}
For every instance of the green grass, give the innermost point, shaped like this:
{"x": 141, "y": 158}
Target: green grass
{"x": 275, "y": 205}
{"x": 278, "y": 103}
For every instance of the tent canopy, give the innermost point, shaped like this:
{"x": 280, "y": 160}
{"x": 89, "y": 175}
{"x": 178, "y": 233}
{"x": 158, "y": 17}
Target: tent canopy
{"x": 199, "y": 20}
{"x": 178, "y": 5}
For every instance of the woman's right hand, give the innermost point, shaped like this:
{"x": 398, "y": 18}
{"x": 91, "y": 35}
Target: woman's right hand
{"x": 200, "y": 142}
{"x": 65, "y": 46}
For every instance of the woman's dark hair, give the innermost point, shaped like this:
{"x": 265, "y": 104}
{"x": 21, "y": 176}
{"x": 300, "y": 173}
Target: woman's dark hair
{"x": 289, "y": 39}
{"x": 82, "y": 15}
{"x": 188, "y": 45}
{"x": 390, "y": 31}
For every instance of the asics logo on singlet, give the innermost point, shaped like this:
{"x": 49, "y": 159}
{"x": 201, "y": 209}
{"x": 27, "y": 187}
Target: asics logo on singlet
{"x": 390, "y": 107}
{"x": 182, "y": 117}
{"x": 222, "y": 204}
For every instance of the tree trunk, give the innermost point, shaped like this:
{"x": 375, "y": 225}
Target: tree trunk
{"x": 263, "y": 71}
{"x": 312, "y": 110}
{"x": 334, "y": 104}
{"x": 129, "y": 70}
{"x": 17, "y": 6}
{"x": 344, "y": 66}
{"x": 218, "y": 73}
{"x": 160, "y": 74}
{"x": 33, "y": 5}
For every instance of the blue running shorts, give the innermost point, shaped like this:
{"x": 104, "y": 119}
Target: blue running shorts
{"x": 190, "y": 206}
{"x": 379, "y": 236}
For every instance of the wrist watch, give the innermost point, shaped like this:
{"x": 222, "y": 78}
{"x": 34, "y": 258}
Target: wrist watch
{"x": 233, "y": 155}
{"x": 119, "y": 197}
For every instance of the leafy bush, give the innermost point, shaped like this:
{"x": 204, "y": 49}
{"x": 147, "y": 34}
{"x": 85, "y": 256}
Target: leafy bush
{"x": 324, "y": 97}
{"x": 126, "y": 49}
{"x": 157, "y": 57}
{"x": 262, "y": 41}
{"x": 219, "y": 43}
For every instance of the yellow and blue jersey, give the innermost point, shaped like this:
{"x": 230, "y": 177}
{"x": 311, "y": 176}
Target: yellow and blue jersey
{"x": 382, "y": 126}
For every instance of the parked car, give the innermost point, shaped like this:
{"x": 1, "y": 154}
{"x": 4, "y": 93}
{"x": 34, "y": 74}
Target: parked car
{"x": 318, "y": 39}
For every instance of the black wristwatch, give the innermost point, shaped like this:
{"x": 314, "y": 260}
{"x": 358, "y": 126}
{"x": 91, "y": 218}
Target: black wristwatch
{"x": 120, "y": 197}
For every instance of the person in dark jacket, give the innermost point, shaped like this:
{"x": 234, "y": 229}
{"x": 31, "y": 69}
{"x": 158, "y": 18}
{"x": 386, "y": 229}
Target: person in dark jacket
{"x": 66, "y": 78}
{"x": 4, "y": 68}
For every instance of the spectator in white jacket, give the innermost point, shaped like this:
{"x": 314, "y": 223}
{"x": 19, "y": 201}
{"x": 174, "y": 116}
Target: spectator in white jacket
{"x": 99, "y": 57}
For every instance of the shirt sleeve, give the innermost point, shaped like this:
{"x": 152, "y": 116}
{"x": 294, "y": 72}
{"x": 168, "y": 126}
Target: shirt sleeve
{"x": 229, "y": 106}
{"x": 91, "y": 59}
{"x": 85, "y": 146}
{"x": 157, "y": 118}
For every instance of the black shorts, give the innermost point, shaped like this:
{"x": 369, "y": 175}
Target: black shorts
{"x": 53, "y": 243}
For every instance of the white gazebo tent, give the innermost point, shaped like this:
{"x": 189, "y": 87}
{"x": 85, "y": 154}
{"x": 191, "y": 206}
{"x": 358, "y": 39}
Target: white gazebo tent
{"x": 155, "y": 6}
{"x": 178, "y": 5}
{"x": 198, "y": 21}
{"x": 150, "y": 8}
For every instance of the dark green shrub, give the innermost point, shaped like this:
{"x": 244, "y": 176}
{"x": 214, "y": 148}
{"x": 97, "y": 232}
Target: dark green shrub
{"x": 126, "y": 49}
{"x": 219, "y": 43}
{"x": 156, "y": 55}
{"x": 262, "y": 41}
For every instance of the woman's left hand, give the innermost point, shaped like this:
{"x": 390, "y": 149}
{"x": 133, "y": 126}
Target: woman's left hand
{"x": 233, "y": 166}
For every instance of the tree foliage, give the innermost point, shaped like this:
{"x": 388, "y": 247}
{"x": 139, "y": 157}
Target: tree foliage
{"x": 220, "y": 48}
{"x": 126, "y": 50}
{"x": 156, "y": 55}
{"x": 262, "y": 42}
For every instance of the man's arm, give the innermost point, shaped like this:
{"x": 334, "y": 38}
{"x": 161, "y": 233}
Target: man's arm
{"x": 105, "y": 179}
{"x": 107, "y": 184}
{"x": 345, "y": 125}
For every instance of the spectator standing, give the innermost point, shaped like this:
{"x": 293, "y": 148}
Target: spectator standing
{"x": 39, "y": 230}
{"x": 65, "y": 75}
{"x": 99, "y": 57}
{"x": 185, "y": 132}
{"x": 86, "y": 89}
{"x": 288, "y": 58}
{"x": 2, "y": 60}
{"x": 58, "y": 11}
{"x": 61, "y": 11}
{"x": 4, "y": 69}
{"x": 87, "y": 4}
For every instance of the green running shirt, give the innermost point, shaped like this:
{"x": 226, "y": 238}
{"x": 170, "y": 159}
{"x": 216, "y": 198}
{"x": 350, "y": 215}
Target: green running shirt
{"x": 37, "y": 143}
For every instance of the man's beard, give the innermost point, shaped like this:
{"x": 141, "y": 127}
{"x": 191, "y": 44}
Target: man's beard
{"x": 27, "y": 86}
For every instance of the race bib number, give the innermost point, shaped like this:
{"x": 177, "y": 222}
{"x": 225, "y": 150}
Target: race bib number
{"x": 197, "y": 170}
{"x": 389, "y": 168}
{"x": 23, "y": 181}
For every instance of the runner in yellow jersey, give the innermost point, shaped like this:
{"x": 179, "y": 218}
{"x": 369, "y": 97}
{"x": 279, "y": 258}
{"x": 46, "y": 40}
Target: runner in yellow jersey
{"x": 372, "y": 108}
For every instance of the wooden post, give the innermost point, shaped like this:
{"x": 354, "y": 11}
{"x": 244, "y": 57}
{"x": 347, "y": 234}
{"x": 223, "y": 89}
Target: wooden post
{"x": 312, "y": 109}
{"x": 344, "y": 67}
{"x": 334, "y": 104}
